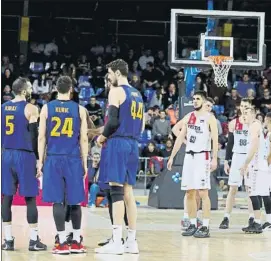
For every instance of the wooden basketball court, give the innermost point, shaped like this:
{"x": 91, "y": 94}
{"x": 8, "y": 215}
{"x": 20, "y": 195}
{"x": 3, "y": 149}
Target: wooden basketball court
{"x": 159, "y": 238}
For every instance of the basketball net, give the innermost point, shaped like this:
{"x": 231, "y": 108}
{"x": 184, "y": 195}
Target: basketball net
{"x": 221, "y": 66}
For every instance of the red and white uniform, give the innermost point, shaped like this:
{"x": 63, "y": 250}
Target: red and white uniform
{"x": 196, "y": 167}
{"x": 258, "y": 169}
{"x": 239, "y": 153}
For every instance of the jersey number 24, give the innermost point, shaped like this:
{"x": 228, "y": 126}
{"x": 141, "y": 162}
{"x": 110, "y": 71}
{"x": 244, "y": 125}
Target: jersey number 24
{"x": 66, "y": 129}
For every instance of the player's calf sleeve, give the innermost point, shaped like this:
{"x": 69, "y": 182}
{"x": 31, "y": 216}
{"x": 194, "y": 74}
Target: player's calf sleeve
{"x": 110, "y": 203}
{"x": 31, "y": 209}
{"x": 76, "y": 216}
{"x": 267, "y": 204}
{"x": 255, "y": 202}
{"x": 68, "y": 213}
{"x": 6, "y": 208}
{"x": 59, "y": 216}
{"x": 117, "y": 193}
{"x": 125, "y": 217}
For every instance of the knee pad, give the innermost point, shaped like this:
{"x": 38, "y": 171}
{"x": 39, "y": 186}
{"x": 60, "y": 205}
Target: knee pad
{"x": 32, "y": 211}
{"x": 6, "y": 208}
{"x": 255, "y": 202}
{"x": 117, "y": 193}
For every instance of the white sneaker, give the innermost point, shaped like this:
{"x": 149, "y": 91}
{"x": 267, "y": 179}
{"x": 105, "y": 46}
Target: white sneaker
{"x": 131, "y": 247}
{"x": 113, "y": 248}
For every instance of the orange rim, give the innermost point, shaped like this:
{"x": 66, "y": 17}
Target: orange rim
{"x": 219, "y": 59}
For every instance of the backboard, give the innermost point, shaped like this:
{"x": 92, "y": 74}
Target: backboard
{"x": 213, "y": 32}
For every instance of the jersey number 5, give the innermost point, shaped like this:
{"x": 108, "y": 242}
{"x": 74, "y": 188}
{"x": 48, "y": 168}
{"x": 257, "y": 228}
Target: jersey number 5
{"x": 65, "y": 130}
{"x": 137, "y": 111}
{"x": 9, "y": 124}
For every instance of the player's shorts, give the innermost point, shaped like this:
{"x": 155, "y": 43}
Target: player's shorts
{"x": 63, "y": 180}
{"x": 196, "y": 171}
{"x": 19, "y": 170}
{"x": 259, "y": 184}
{"x": 235, "y": 177}
{"x": 102, "y": 179}
{"x": 122, "y": 160}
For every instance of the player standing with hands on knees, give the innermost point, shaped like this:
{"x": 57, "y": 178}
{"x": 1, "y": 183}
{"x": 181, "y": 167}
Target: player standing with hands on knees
{"x": 121, "y": 133}
{"x": 63, "y": 129}
{"x": 19, "y": 158}
{"x": 200, "y": 128}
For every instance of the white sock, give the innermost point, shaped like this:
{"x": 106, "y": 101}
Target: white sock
{"x": 62, "y": 236}
{"x": 193, "y": 221}
{"x": 227, "y": 215}
{"x": 199, "y": 214}
{"x": 68, "y": 227}
{"x": 117, "y": 233}
{"x": 258, "y": 221}
{"x": 251, "y": 215}
{"x": 268, "y": 218}
{"x": 76, "y": 234}
{"x": 34, "y": 233}
{"x": 205, "y": 222}
{"x": 8, "y": 232}
{"x": 131, "y": 235}
{"x": 185, "y": 216}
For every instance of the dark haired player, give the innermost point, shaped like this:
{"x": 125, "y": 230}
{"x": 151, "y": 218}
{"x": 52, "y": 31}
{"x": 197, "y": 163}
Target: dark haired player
{"x": 19, "y": 156}
{"x": 63, "y": 129}
{"x": 121, "y": 133}
{"x": 200, "y": 128}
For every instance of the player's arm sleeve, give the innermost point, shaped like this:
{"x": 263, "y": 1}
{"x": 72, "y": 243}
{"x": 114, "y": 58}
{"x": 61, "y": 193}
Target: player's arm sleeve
{"x": 229, "y": 147}
{"x": 113, "y": 121}
{"x": 33, "y": 129}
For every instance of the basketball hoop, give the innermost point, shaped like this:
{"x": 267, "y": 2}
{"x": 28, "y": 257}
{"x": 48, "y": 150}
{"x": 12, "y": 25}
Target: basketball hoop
{"x": 221, "y": 66}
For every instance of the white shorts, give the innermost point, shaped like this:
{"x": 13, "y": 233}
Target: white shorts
{"x": 235, "y": 178}
{"x": 196, "y": 171}
{"x": 259, "y": 183}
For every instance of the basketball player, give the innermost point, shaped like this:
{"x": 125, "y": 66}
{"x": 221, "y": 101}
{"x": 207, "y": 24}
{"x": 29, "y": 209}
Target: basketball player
{"x": 121, "y": 133}
{"x": 103, "y": 177}
{"x": 257, "y": 166}
{"x": 200, "y": 127}
{"x": 63, "y": 128}
{"x": 236, "y": 152}
{"x": 176, "y": 131}
{"x": 19, "y": 157}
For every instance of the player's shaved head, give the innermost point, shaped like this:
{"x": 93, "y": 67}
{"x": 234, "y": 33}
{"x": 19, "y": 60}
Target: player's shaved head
{"x": 64, "y": 84}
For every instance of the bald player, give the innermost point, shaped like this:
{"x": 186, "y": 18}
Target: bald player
{"x": 19, "y": 159}
{"x": 176, "y": 131}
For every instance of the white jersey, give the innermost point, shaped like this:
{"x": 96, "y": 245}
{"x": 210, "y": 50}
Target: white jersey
{"x": 259, "y": 161}
{"x": 198, "y": 133}
{"x": 240, "y": 134}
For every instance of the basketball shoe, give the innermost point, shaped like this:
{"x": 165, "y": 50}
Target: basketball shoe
{"x": 190, "y": 231}
{"x": 225, "y": 223}
{"x": 61, "y": 249}
{"x": 131, "y": 247}
{"x": 202, "y": 232}
{"x": 266, "y": 226}
{"x": 250, "y": 225}
{"x": 36, "y": 245}
{"x": 77, "y": 247}
{"x": 8, "y": 245}
{"x": 113, "y": 248}
{"x": 255, "y": 228}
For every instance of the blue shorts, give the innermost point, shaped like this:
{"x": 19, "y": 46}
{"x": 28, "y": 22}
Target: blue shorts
{"x": 19, "y": 169}
{"x": 63, "y": 180}
{"x": 122, "y": 159}
{"x": 102, "y": 180}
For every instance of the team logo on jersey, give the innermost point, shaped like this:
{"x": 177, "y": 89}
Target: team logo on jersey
{"x": 201, "y": 121}
{"x": 192, "y": 119}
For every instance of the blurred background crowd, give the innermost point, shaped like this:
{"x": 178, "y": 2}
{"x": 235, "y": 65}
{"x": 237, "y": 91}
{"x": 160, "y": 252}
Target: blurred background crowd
{"x": 81, "y": 47}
